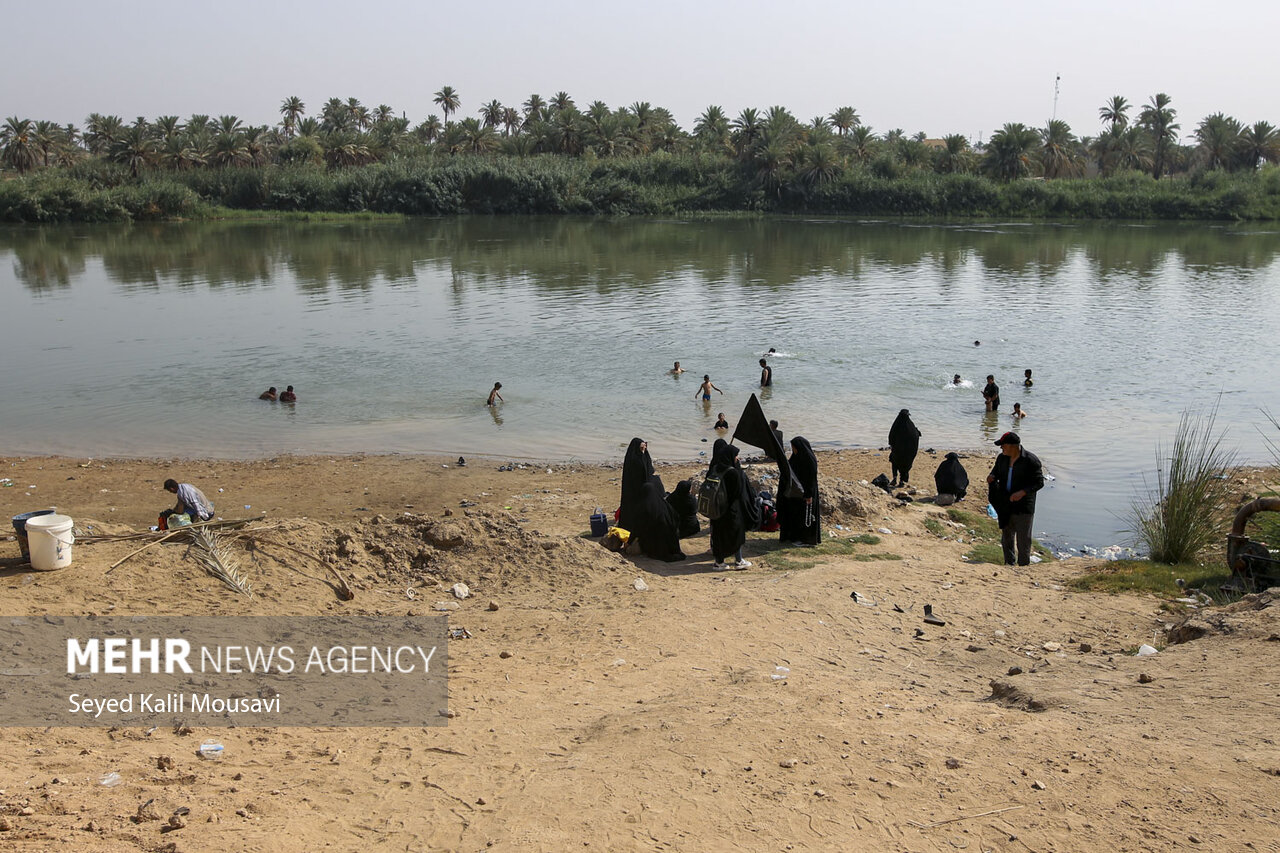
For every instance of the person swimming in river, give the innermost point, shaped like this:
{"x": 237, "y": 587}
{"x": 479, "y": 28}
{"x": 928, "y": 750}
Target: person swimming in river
{"x": 956, "y": 380}
{"x": 721, "y": 423}
{"x": 494, "y": 395}
{"x": 1027, "y": 382}
{"x": 269, "y": 394}
{"x": 288, "y": 396}
{"x": 1017, "y": 411}
{"x": 706, "y": 388}
{"x": 677, "y": 370}
{"x": 766, "y": 374}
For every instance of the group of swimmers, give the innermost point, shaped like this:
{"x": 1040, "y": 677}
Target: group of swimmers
{"x": 991, "y": 391}
{"x": 287, "y": 396}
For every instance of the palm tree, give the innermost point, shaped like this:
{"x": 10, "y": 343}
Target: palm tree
{"x": 1158, "y": 119}
{"x": 229, "y": 124}
{"x": 292, "y": 110}
{"x": 844, "y": 119}
{"x": 534, "y": 109}
{"x": 1220, "y": 144}
{"x": 198, "y": 125}
{"x": 309, "y": 126}
{"x": 818, "y": 164}
{"x": 429, "y": 130}
{"x": 135, "y": 149}
{"x": 1059, "y": 151}
{"x": 1114, "y": 112}
{"x": 18, "y": 145}
{"x": 383, "y": 114}
{"x": 334, "y": 115}
{"x": 712, "y": 128}
{"x": 491, "y": 113}
{"x": 1011, "y": 152}
{"x": 47, "y": 135}
{"x": 1261, "y": 143}
{"x": 608, "y": 135}
{"x": 359, "y": 115}
{"x": 448, "y": 101}
{"x": 101, "y": 131}
{"x": 510, "y": 120}
{"x": 167, "y": 127}
{"x": 746, "y": 130}
{"x": 1131, "y": 149}
{"x": 561, "y": 101}
{"x": 229, "y": 149}
{"x": 478, "y": 138}
{"x": 954, "y": 155}
{"x": 861, "y": 143}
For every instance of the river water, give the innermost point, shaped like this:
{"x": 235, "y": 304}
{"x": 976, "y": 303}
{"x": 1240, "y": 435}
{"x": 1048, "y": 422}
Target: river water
{"x": 155, "y": 340}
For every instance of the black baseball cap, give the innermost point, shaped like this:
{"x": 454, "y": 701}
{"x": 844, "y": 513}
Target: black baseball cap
{"x": 1008, "y": 438}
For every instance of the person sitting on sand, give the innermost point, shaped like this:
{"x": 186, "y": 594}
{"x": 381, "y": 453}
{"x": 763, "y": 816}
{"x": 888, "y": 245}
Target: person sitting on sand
{"x": 288, "y": 396}
{"x": 721, "y": 423}
{"x": 951, "y": 480}
{"x": 494, "y": 395}
{"x": 1017, "y": 411}
{"x": 686, "y": 508}
{"x": 190, "y": 501}
{"x": 269, "y": 394}
{"x": 705, "y": 389}
{"x": 677, "y": 370}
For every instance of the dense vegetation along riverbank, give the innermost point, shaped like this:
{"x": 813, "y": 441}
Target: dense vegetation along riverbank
{"x": 653, "y": 184}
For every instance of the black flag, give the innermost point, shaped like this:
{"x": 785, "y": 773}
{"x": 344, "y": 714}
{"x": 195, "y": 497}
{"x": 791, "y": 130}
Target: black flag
{"x": 753, "y": 428}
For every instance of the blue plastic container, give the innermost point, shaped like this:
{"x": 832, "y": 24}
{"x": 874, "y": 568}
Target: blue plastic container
{"x": 599, "y": 523}
{"x": 20, "y": 528}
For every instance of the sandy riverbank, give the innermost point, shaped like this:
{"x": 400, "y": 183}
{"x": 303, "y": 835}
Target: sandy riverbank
{"x": 591, "y": 715}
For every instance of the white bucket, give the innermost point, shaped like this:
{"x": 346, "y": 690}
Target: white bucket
{"x": 49, "y": 537}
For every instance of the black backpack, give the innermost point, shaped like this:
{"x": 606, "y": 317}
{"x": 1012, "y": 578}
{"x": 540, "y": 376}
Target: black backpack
{"x": 713, "y": 499}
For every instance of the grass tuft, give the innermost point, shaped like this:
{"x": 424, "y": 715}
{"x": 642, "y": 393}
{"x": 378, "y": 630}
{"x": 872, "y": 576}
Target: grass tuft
{"x": 1189, "y": 508}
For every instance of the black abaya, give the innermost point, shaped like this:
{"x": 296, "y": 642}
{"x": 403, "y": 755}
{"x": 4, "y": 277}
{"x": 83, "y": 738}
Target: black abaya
{"x": 800, "y": 519}
{"x": 686, "y": 508}
{"x": 729, "y": 531}
{"x": 637, "y": 469}
{"x": 656, "y": 524}
{"x": 951, "y": 478}
{"x": 904, "y": 444}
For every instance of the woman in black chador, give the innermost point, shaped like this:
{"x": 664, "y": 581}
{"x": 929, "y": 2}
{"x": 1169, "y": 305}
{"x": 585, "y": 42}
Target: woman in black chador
{"x": 951, "y": 480}
{"x": 656, "y": 524}
{"x": 904, "y": 444}
{"x": 729, "y": 531}
{"x": 686, "y": 508}
{"x": 637, "y": 469}
{"x": 800, "y": 519}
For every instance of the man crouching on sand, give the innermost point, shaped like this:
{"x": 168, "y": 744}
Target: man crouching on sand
{"x": 190, "y": 500}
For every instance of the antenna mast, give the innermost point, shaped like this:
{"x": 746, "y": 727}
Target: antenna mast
{"x": 1056, "y": 81}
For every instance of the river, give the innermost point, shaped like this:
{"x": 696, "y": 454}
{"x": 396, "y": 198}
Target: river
{"x": 155, "y": 340}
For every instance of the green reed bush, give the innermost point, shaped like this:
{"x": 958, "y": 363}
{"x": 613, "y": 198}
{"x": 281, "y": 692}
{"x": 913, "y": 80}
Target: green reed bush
{"x": 1188, "y": 509}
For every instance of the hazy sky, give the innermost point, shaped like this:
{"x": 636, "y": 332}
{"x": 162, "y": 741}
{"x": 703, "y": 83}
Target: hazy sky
{"x": 940, "y": 67}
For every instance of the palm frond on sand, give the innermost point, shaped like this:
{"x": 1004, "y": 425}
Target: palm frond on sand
{"x": 213, "y": 552}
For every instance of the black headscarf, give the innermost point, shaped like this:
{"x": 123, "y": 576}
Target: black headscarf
{"x": 951, "y": 478}
{"x": 904, "y": 444}
{"x": 799, "y": 521}
{"x": 637, "y": 468}
{"x": 686, "y": 508}
{"x": 656, "y": 524}
{"x": 729, "y": 531}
